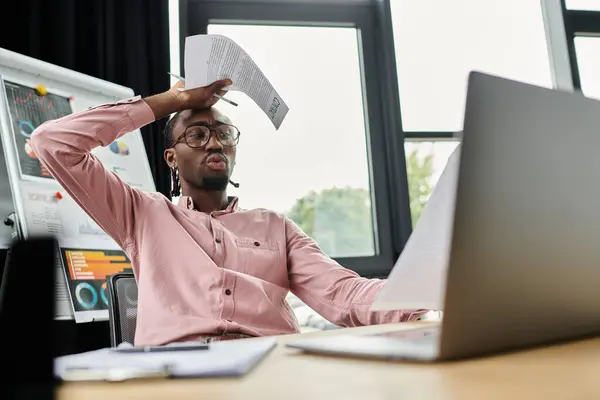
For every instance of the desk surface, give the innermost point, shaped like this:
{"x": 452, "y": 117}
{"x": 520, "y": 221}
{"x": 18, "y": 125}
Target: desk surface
{"x": 565, "y": 371}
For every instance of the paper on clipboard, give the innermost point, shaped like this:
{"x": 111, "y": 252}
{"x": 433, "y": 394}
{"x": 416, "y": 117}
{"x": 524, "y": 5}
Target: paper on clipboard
{"x": 223, "y": 359}
{"x": 418, "y": 280}
{"x": 209, "y": 58}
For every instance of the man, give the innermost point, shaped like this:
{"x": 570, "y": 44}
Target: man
{"x": 205, "y": 268}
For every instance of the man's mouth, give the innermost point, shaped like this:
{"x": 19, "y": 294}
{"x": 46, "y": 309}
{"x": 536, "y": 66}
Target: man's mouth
{"x": 216, "y": 162}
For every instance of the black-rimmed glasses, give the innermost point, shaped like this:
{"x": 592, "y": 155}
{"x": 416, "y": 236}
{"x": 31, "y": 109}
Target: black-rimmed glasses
{"x": 198, "y": 135}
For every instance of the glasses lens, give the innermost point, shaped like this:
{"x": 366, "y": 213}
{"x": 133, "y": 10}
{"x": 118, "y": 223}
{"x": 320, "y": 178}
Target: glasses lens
{"x": 228, "y": 135}
{"x": 197, "y": 136}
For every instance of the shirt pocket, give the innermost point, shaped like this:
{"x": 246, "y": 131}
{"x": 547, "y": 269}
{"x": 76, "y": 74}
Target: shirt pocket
{"x": 261, "y": 259}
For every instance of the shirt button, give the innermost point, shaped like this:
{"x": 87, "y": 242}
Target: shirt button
{"x": 227, "y": 292}
{"x": 256, "y": 243}
{"x": 217, "y": 240}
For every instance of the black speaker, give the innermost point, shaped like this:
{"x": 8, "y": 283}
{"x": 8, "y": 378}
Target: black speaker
{"x": 26, "y": 320}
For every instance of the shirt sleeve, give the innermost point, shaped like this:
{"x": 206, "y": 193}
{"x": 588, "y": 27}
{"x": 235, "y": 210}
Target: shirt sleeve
{"x": 63, "y": 147}
{"x": 338, "y": 294}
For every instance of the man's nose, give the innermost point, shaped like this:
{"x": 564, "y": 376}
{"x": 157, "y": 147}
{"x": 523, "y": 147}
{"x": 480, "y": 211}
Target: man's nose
{"x": 213, "y": 143}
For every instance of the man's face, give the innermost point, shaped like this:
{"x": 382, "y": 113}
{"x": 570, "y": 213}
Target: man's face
{"x": 208, "y": 167}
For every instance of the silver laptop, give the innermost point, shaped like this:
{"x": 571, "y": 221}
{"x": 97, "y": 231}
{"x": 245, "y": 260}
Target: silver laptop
{"x": 524, "y": 266}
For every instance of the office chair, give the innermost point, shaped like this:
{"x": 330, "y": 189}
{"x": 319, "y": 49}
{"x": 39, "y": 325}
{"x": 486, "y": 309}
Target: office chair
{"x": 122, "y": 293}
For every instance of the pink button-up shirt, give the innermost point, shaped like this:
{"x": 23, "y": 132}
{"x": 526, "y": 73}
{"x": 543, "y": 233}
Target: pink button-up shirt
{"x": 200, "y": 274}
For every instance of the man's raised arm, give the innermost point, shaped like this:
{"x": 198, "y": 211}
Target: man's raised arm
{"x": 338, "y": 294}
{"x": 63, "y": 146}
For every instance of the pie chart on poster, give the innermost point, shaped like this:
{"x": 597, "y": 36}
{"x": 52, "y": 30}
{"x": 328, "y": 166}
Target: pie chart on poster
{"x": 26, "y": 128}
{"x": 119, "y": 147}
{"x": 86, "y": 295}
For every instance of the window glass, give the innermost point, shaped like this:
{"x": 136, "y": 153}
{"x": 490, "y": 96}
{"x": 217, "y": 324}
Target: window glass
{"x": 425, "y": 162}
{"x": 588, "y": 61}
{"x": 590, "y": 5}
{"x": 438, "y": 42}
{"x": 315, "y": 167}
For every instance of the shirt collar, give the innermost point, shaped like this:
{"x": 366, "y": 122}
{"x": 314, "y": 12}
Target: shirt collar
{"x": 187, "y": 203}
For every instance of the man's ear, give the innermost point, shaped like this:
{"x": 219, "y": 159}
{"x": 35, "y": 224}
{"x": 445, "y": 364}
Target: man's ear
{"x": 171, "y": 158}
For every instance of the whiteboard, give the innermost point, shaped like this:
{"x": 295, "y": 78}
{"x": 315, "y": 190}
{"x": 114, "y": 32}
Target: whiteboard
{"x": 41, "y": 205}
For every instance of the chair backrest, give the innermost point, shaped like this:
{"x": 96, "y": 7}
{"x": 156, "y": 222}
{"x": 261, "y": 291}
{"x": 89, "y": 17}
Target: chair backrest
{"x": 122, "y": 293}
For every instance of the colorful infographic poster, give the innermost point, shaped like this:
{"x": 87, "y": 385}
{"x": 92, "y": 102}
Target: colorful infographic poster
{"x": 88, "y": 255}
{"x": 86, "y": 271}
{"x": 127, "y": 158}
{"x": 28, "y": 110}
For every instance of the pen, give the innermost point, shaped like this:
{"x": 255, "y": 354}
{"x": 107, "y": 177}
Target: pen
{"x": 182, "y": 79}
{"x": 158, "y": 349}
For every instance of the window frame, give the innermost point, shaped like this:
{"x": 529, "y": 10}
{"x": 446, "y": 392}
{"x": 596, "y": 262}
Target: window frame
{"x": 574, "y": 23}
{"x": 579, "y": 23}
{"x": 372, "y": 18}
{"x": 419, "y": 135}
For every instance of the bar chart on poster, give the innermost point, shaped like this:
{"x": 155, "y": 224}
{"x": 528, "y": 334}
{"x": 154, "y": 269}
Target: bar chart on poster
{"x": 87, "y": 270}
{"x": 33, "y": 92}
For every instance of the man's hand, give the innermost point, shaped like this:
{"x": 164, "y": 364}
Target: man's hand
{"x": 175, "y": 99}
{"x": 201, "y": 97}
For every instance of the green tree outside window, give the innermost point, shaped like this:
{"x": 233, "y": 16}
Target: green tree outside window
{"x": 340, "y": 219}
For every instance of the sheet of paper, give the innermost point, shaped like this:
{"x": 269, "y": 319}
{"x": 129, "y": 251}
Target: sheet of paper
{"x": 209, "y": 58}
{"x": 222, "y": 359}
{"x": 45, "y": 213}
{"x": 419, "y": 277}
